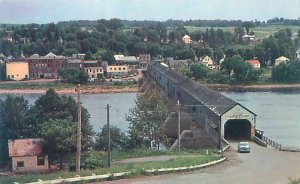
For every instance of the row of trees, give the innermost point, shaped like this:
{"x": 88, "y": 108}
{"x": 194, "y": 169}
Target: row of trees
{"x": 233, "y": 70}
{"x": 52, "y": 117}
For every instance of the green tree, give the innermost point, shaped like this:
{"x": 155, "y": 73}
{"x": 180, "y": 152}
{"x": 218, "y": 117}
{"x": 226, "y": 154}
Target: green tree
{"x": 74, "y": 76}
{"x": 200, "y": 71}
{"x": 287, "y": 72}
{"x": 147, "y": 120}
{"x": 53, "y": 106}
{"x": 13, "y": 123}
{"x": 60, "y": 138}
{"x": 118, "y": 138}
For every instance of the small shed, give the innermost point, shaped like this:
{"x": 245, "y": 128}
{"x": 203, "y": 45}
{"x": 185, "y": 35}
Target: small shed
{"x": 27, "y": 155}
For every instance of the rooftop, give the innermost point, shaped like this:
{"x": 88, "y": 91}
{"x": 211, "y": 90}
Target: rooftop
{"x": 25, "y": 147}
{"x": 215, "y": 101}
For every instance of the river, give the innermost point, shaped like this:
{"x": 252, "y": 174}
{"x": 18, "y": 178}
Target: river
{"x": 278, "y": 113}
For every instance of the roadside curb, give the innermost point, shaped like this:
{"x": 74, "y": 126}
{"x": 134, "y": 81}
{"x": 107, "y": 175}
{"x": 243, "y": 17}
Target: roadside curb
{"x": 124, "y": 174}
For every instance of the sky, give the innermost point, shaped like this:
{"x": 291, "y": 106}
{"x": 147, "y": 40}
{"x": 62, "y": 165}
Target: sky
{"x": 46, "y": 11}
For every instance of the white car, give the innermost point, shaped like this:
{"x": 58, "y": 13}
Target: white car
{"x": 244, "y": 147}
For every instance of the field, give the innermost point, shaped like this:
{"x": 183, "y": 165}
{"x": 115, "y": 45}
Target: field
{"x": 260, "y": 32}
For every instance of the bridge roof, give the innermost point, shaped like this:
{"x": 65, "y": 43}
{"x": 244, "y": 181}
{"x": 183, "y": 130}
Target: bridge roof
{"x": 215, "y": 101}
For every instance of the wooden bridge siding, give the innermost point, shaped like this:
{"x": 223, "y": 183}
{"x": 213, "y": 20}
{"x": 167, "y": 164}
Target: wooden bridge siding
{"x": 201, "y": 115}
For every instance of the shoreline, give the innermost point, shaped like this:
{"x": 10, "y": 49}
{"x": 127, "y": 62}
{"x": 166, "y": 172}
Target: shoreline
{"x": 254, "y": 87}
{"x": 96, "y": 90}
{"x": 127, "y": 89}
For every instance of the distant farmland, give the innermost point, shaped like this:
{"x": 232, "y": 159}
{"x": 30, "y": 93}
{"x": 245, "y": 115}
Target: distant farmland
{"x": 260, "y": 32}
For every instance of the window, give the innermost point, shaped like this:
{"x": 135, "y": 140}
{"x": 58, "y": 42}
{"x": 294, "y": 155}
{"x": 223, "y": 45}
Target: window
{"x": 115, "y": 68}
{"x": 124, "y": 68}
{"x": 12, "y": 76}
{"x": 119, "y": 68}
{"x": 20, "y": 164}
{"x": 8, "y": 76}
{"x": 40, "y": 160}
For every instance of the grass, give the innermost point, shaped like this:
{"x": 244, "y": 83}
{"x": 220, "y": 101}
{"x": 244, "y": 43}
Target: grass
{"x": 56, "y": 85}
{"x": 35, "y": 85}
{"x": 184, "y": 158}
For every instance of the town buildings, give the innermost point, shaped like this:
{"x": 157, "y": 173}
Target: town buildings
{"x": 117, "y": 70}
{"x": 17, "y": 70}
{"x": 186, "y": 39}
{"x": 93, "y": 68}
{"x": 46, "y": 66}
{"x": 27, "y": 155}
{"x": 280, "y": 60}
{"x": 254, "y": 63}
{"x": 144, "y": 59}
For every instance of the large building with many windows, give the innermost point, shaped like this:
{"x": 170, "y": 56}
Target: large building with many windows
{"x": 46, "y": 66}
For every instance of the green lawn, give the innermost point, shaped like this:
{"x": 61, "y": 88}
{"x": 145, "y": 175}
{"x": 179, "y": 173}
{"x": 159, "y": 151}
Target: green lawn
{"x": 184, "y": 158}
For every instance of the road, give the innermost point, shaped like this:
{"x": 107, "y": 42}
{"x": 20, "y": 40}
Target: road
{"x": 261, "y": 166}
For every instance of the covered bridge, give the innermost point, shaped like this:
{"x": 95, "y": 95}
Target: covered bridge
{"x": 218, "y": 115}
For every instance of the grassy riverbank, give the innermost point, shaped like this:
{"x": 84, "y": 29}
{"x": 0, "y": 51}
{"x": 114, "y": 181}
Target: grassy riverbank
{"x": 38, "y": 87}
{"x": 175, "y": 159}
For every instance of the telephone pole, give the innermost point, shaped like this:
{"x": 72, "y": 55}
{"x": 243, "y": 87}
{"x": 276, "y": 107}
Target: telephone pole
{"x": 178, "y": 108}
{"x": 108, "y": 138}
{"x": 78, "y": 153}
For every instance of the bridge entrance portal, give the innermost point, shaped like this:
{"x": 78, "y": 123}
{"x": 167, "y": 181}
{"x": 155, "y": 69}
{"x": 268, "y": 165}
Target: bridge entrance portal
{"x": 237, "y": 129}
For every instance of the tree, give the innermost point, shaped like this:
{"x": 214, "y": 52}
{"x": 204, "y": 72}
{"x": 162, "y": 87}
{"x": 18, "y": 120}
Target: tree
{"x": 147, "y": 120}
{"x": 13, "y": 123}
{"x": 199, "y": 70}
{"x": 185, "y": 53}
{"x": 287, "y": 72}
{"x": 118, "y": 138}
{"x": 247, "y": 25}
{"x": 60, "y": 138}
{"x": 74, "y": 76}
{"x": 52, "y": 106}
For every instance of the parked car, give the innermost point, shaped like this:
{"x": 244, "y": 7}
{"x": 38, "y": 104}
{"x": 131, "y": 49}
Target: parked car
{"x": 244, "y": 147}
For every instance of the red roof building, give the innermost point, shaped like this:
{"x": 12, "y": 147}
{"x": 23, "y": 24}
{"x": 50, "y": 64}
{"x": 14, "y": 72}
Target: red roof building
{"x": 254, "y": 63}
{"x": 27, "y": 155}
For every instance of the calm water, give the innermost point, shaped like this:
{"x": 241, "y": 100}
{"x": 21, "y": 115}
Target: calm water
{"x": 278, "y": 113}
{"x": 96, "y": 103}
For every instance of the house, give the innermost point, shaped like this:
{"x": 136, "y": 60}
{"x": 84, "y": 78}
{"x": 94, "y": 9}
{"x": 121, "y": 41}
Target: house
{"x": 248, "y": 38}
{"x": 207, "y": 61}
{"x": 117, "y": 70}
{"x": 254, "y": 63}
{"x": 93, "y": 68}
{"x": 298, "y": 54}
{"x": 186, "y": 39}
{"x": 126, "y": 60}
{"x": 46, "y": 66}
{"x": 280, "y": 60}
{"x": 144, "y": 59}
{"x": 17, "y": 70}
{"x": 75, "y": 64}
{"x": 27, "y": 155}
{"x": 176, "y": 63}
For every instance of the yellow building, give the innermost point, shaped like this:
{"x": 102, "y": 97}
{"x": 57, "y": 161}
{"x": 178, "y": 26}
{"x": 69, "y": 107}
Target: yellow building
{"x": 17, "y": 70}
{"x": 117, "y": 70}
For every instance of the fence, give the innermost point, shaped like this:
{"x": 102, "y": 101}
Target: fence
{"x": 272, "y": 143}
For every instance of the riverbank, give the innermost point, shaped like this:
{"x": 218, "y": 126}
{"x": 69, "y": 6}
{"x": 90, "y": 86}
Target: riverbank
{"x": 85, "y": 90}
{"x": 41, "y": 87}
{"x": 254, "y": 87}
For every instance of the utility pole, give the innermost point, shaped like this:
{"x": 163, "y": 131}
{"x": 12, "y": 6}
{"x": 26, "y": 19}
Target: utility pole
{"x": 220, "y": 137}
{"x": 178, "y": 108}
{"x": 78, "y": 153}
{"x": 108, "y": 138}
